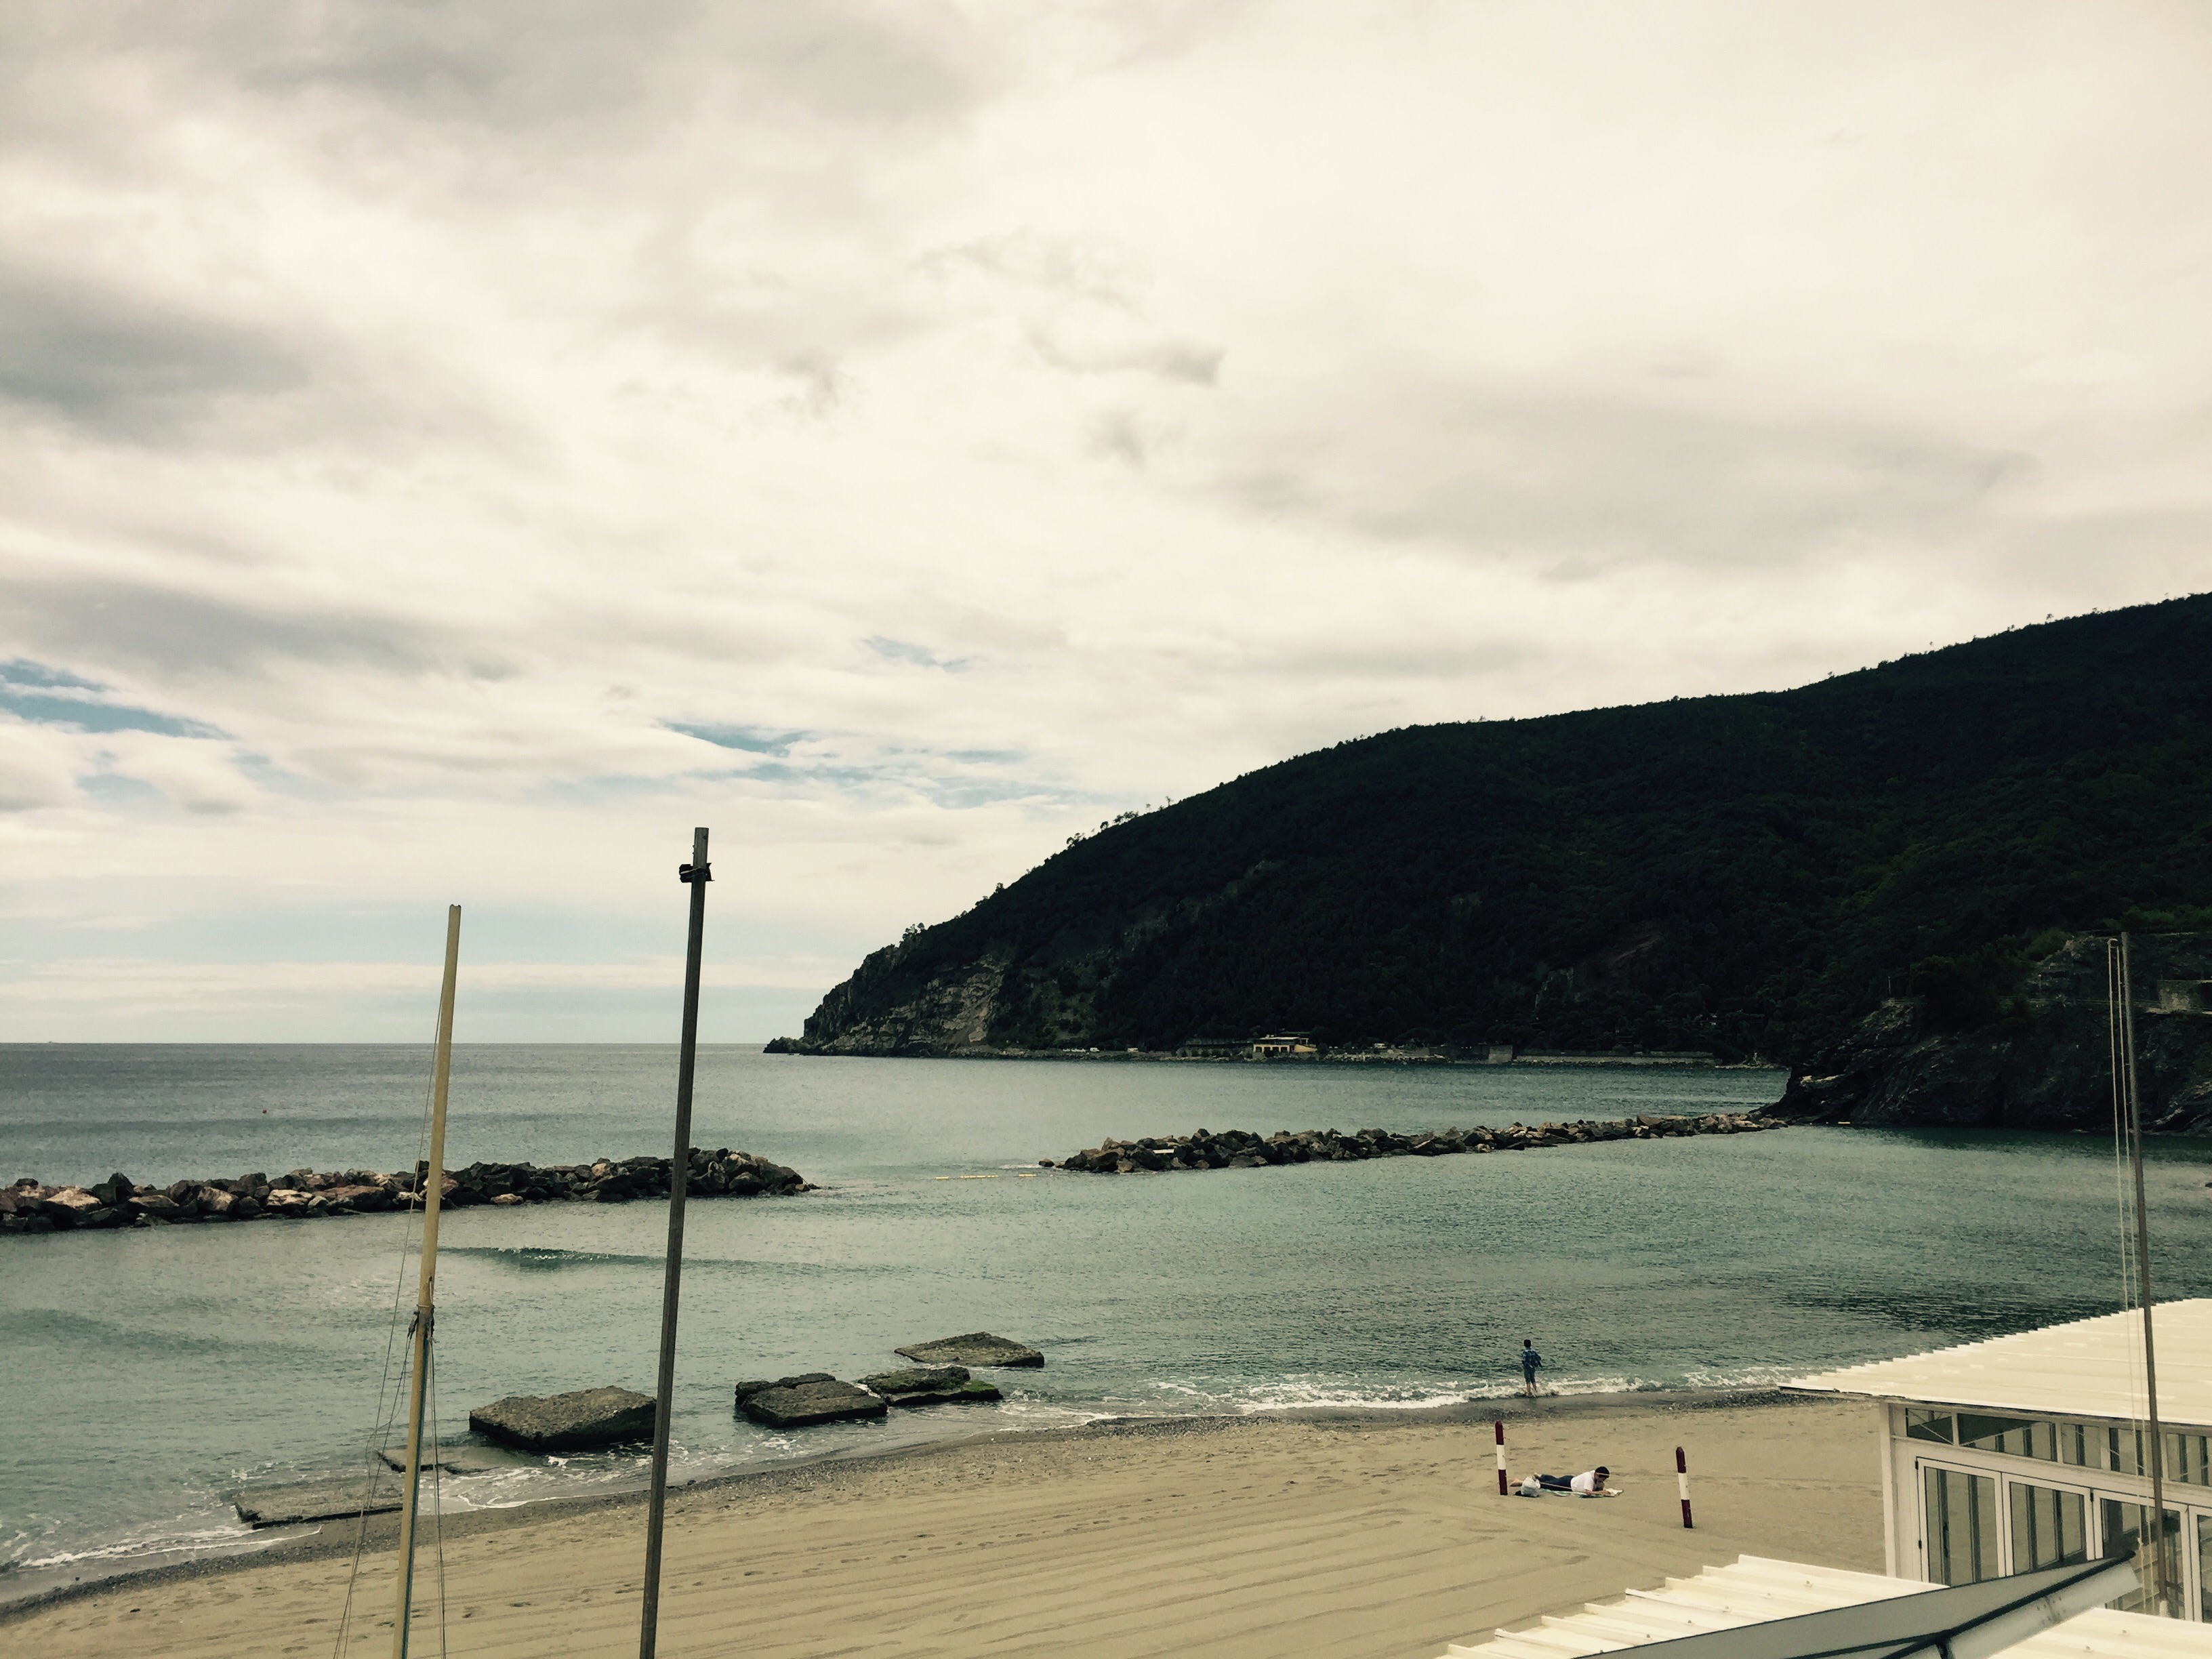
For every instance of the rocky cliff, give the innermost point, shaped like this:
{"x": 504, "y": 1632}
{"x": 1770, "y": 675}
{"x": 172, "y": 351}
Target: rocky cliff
{"x": 2040, "y": 1059}
{"x": 949, "y": 1013}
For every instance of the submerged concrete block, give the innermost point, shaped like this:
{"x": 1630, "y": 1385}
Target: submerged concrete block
{"x": 567, "y": 1422}
{"x": 795, "y": 1403}
{"x": 976, "y": 1349}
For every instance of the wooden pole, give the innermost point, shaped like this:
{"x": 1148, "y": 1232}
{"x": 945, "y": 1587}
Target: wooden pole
{"x": 1500, "y": 1427}
{"x": 426, "y": 1287}
{"x": 696, "y": 874}
{"x": 2155, "y": 1525}
{"x": 1682, "y": 1478}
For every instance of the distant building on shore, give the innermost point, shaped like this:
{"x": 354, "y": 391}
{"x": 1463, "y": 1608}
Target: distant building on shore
{"x": 2030, "y": 1451}
{"x": 1285, "y": 1044}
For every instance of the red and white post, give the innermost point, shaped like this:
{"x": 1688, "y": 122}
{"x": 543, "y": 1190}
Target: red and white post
{"x": 1682, "y": 1477}
{"x": 1500, "y": 1427}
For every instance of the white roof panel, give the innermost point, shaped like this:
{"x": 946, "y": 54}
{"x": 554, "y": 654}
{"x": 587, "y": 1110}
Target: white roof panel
{"x": 1753, "y": 1590}
{"x": 2090, "y": 1367}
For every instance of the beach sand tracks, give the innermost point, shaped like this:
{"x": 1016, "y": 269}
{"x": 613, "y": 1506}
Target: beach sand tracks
{"x": 1226, "y": 1541}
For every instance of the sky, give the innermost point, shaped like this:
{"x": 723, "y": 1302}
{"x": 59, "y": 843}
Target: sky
{"x": 447, "y": 453}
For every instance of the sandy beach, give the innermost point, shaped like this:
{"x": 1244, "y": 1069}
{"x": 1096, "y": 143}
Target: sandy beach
{"x": 1371, "y": 1536}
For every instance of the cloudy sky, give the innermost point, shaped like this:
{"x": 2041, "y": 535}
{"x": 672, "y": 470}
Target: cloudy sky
{"x": 447, "y": 451}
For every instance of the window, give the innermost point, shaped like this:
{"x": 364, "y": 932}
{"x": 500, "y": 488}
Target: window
{"x": 2125, "y": 1453}
{"x": 1962, "y": 1527}
{"x": 2204, "y": 1566}
{"x": 2015, "y": 1436}
{"x": 2049, "y": 1529}
{"x": 1928, "y": 1426}
{"x": 2187, "y": 1459}
{"x": 2123, "y": 1533}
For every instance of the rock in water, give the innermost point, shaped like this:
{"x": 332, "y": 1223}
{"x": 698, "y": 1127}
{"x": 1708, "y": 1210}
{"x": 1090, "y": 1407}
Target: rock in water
{"x": 976, "y": 1349}
{"x": 940, "y": 1385}
{"x": 72, "y": 1206}
{"x": 567, "y": 1422}
{"x": 795, "y": 1403}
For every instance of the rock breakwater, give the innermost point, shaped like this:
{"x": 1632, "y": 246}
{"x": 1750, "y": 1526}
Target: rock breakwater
{"x": 1241, "y": 1149}
{"x": 30, "y": 1207}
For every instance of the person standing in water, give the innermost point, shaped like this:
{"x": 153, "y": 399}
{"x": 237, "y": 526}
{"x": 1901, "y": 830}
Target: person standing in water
{"x": 1531, "y": 1361}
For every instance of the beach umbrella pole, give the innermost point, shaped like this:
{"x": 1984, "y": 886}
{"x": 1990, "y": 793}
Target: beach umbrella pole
{"x": 696, "y": 875}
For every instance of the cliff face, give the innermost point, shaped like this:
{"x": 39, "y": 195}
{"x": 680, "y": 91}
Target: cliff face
{"x": 1743, "y": 875}
{"x": 909, "y": 999}
{"x": 2043, "y": 1062}
{"x": 874, "y": 1012}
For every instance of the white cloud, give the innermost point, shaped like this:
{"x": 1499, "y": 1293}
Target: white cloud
{"x": 1006, "y": 415}
{"x": 35, "y": 767}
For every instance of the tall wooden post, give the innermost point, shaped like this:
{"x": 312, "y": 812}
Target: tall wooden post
{"x": 2161, "y": 1588}
{"x": 426, "y": 1287}
{"x": 696, "y": 874}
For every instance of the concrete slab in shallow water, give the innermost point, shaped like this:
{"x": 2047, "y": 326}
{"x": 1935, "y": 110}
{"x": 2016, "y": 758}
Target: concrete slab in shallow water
{"x": 976, "y": 1349}
{"x": 314, "y": 1500}
{"x": 946, "y": 1385}
{"x": 580, "y": 1421}
{"x": 794, "y": 1402}
{"x": 462, "y": 1460}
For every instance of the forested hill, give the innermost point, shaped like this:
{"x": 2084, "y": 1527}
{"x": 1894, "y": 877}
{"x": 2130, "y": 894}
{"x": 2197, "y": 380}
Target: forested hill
{"x": 1746, "y": 874}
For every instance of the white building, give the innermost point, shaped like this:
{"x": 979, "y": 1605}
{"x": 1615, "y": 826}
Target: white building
{"x": 2028, "y": 1451}
{"x": 1756, "y": 1608}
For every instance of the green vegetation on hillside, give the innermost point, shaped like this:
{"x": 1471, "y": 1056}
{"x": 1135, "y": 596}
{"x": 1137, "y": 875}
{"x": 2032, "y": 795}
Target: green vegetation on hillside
{"x": 1746, "y": 874}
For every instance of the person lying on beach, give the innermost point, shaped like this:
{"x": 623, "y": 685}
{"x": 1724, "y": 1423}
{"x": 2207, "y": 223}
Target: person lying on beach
{"x": 1590, "y": 1483}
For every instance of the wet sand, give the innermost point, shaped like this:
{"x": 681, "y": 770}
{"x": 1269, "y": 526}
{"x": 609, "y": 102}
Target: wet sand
{"x": 1324, "y": 1535}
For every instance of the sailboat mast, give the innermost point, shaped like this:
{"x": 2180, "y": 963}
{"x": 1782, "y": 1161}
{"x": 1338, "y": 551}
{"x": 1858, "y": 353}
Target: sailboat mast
{"x": 2155, "y": 1526}
{"x": 430, "y": 1189}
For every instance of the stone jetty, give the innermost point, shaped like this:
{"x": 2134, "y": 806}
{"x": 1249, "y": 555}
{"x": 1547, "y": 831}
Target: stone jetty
{"x": 29, "y": 1207}
{"x": 1240, "y": 1149}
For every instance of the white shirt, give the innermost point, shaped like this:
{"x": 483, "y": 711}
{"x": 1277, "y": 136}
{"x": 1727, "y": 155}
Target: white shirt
{"x": 1586, "y": 1481}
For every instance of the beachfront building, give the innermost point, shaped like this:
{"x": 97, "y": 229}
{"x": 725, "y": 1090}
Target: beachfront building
{"x": 1756, "y": 1608}
{"x": 2030, "y": 1451}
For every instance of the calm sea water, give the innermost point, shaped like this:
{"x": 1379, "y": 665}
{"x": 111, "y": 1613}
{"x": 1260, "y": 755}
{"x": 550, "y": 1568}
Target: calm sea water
{"x": 149, "y": 1373}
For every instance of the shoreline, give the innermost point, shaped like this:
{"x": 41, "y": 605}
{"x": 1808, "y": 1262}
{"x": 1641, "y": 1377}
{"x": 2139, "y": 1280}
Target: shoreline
{"x": 319, "y": 1541}
{"x": 1336, "y": 1533}
{"x": 1533, "y": 1062}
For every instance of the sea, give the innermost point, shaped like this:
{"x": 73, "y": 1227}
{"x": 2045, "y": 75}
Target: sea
{"x": 149, "y": 1374}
